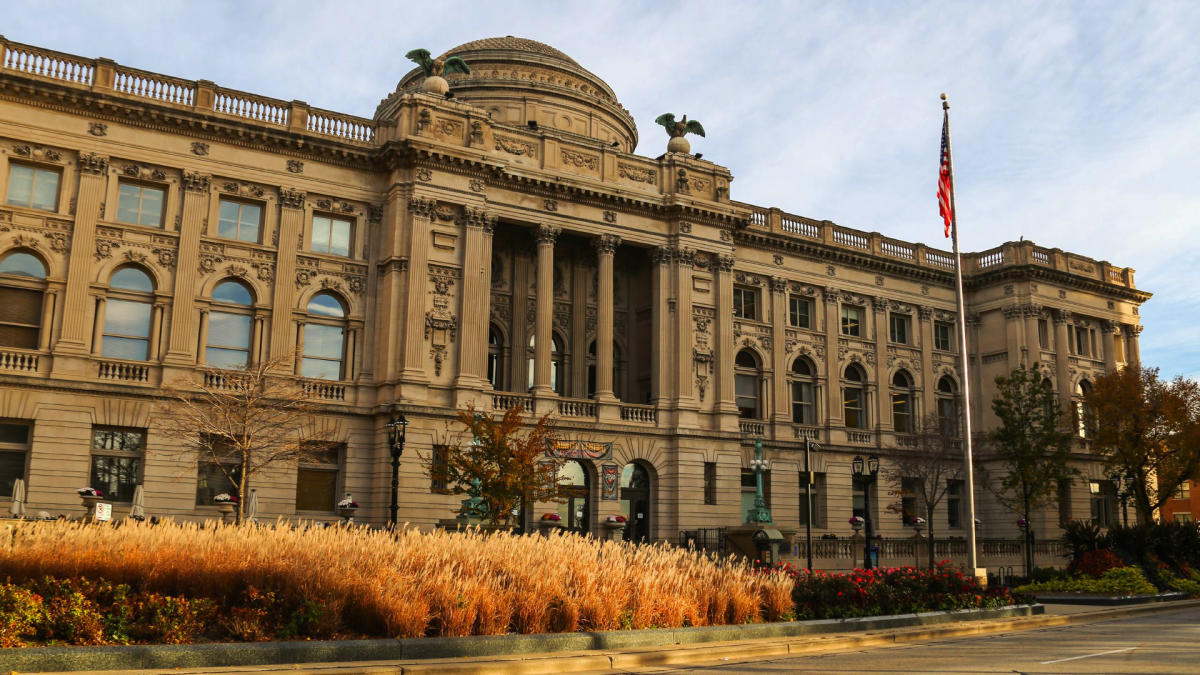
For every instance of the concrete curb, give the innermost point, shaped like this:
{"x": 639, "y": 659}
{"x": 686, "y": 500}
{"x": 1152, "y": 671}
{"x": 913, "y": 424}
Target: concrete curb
{"x": 223, "y": 655}
{"x": 1109, "y": 600}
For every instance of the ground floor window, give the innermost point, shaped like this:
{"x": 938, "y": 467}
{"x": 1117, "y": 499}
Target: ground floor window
{"x": 818, "y": 500}
{"x": 317, "y": 480}
{"x": 14, "y": 447}
{"x": 214, "y": 479}
{"x": 117, "y": 461}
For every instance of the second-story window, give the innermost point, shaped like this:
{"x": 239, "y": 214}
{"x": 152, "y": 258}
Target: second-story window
{"x": 745, "y": 303}
{"x": 899, "y": 325}
{"x": 747, "y": 373}
{"x": 799, "y": 312}
{"x": 943, "y": 336}
{"x": 240, "y": 220}
{"x": 802, "y": 392}
{"x": 229, "y": 326}
{"x": 33, "y": 186}
{"x": 854, "y": 397}
{"x": 902, "y": 403}
{"x": 140, "y": 204}
{"x": 127, "y": 315}
{"x": 852, "y": 321}
{"x": 331, "y": 235}
{"x": 22, "y": 291}
{"x": 324, "y": 338}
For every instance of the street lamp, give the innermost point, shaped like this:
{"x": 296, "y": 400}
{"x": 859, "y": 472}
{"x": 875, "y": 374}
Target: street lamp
{"x": 396, "y": 431}
{"x": 759, "y": 514}
{"x": 866, "y": 478}
{"x": 808, "y": 476}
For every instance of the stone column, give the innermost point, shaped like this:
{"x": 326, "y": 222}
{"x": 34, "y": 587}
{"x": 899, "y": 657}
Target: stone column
{"x": 1110, "y": 345}
{"x": 1032, "y": 314}
{"x": 779, "y": 310}
{"x": 723, "y": 333}
{"x": 544, "y": 314}
{"x": 202, "y": 339}
{"x": 928, "y": 385}
{"x": 414, "y": 356}
{"x": 181, "y": 341}
{"x": 606, "y": 246}
{"x": 47, "y": 325}
{"x": 475, "y": 299}
{"x": 1013, "y": 331}
{"x": 660, "y": 363}
{"x": 256, "y": 327}
{"x": 291, "y": 223}
{"x": 833, "y": 375}
{"x": 98, "y": 326}
{"x": 1134, "y": 357}
{"x": 155, "y": 331}
{"x": 883, "y": 399}
{"x": 73, "y": 336}
{"x": 299, "y": 346}
{"x": 1062, "y": 353}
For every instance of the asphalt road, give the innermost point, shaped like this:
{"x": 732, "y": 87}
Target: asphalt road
{"x": 1162, "y": 642}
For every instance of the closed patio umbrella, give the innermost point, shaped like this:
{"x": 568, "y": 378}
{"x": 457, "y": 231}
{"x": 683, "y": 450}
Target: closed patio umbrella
{"x": 17, "y": 508}
{"x": 136, "y": 509}
{"x": 252, "y": 507}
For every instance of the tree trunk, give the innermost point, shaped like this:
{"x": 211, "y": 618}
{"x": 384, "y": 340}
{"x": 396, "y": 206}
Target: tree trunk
{"x": 241, "y": 501}
{"x": 929, "y": 534}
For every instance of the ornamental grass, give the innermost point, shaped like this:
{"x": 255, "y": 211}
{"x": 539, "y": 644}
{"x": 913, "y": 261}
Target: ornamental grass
{"x": 341, "y": 582}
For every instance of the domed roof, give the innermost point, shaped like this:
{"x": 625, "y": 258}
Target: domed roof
{"x": 515, "y": 44}
{"x": 519, "y": 80}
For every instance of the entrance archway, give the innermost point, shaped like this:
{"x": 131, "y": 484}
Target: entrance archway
{"x": 635, "y": 501}
{"x": 574, "y": 488}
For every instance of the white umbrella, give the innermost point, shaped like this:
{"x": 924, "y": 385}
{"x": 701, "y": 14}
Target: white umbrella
{"x": 17, "y": 508}
{"x": 252, "y": 507}
{"x": 136, "y": 509}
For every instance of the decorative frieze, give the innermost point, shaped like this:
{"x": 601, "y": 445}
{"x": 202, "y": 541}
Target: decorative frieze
{"x": 636, "y": 174}
{"x": 515, "y": 146}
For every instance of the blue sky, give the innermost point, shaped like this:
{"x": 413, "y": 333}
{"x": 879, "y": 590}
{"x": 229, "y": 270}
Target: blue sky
{"x": 1076, "y": 125}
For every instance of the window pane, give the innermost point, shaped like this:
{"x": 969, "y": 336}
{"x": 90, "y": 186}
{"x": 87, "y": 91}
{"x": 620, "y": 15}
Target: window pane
{"x": 129, "y": 349}
{"x": 228, "y": 225}
{"x": 249, "y": 220}
{"x": 324, "y": 304}
{"x": 323, "y": 341}
{"x": 127, "y": 318}
{"x": 228, "y": 359}
{"x": 20, "y": 185}
{"x": 152, "y": 205}
{"x": 24, "y": 264}
{"x": 320, "y": 234}
{"x": 131, "y": 279}
{"x": 339, "y": 237}
{"x": 128, "y": 203}
{"x": 12, "y": 467}
{"x": 115, "y": 477}
{"x": 121, "y": 440}
{"x": 315, "y": 489}
{"x": 211, "y": 482}
{"x": 14, "y": 433}
{"x": 45, "y": 189}
{"x": 321, "y": 369}
{"x": 229, "y": 330}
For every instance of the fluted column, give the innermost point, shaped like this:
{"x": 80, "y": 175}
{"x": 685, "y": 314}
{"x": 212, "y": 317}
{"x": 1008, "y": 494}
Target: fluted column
{"x": 291, "y": 224}
{"x": 1032, "y": 313}
{"x": 723, "y": 332}
{"x": 1062, "y": 346}
{"x": 833, "y": 375}
{"x": 181, "y": 340}
{"x": 928, "y": 385}
{"x": 1135, "y": 354}
{"x": 544, "y": 312}
{"x": 92, "y": 174}
{"x": 779, "y": 310}
{"x": 606, "y": 246}
{"x": 660, "y": 363}
{"x": 1110, "y": 345}
{"x": 883, "y": 400}
{"x": 415, "y": 356}
{"x": 475, "y": 298}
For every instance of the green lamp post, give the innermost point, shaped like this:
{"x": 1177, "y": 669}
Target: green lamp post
{"x": 760, "y": 513}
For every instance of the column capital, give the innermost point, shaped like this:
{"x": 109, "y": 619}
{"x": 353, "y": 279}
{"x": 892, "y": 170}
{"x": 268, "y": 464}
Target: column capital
{"x": 421, "y": 207}
{"x": 779, "y": 284}
{"x": 547, "y": 234}
{"x": 480, "y": 218}
{"x": 1061, "y": 315}
{"x": 606, "y": 244}
{"x": 1132, "y": 330}
{"x": 196, "y": 182}
{"x": 879, "y": 304}
{"x": 925, "y": 312}
{"x": 291, "y": 199}
{"x": 661, "y": 255}
{"x": 723, "y": 263}
{"x": 90, "y": 162}
{"x": 831, "y": 295}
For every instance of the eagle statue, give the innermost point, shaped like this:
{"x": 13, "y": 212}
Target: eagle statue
{"x": 437, "y": 67}
{"x": 680, "y": 128}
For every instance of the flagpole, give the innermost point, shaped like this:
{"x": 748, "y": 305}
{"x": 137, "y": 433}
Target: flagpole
{"x": 972, "y": 558}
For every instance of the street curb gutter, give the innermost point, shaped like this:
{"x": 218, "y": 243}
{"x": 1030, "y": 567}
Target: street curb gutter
{"x": 136, "y": 657}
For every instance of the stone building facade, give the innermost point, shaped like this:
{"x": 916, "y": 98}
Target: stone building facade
{"x": 503, "y": 246}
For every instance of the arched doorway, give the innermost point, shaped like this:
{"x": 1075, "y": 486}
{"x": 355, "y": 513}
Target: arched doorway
{"x": 574, "y": 488}
{"x": 635, "y": 501}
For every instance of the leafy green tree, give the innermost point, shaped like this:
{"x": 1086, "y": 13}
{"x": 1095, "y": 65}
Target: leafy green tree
{"x": 1148, "y": 431}
{"x": 505, "y": 465}
{"x": 1032, "y": 443}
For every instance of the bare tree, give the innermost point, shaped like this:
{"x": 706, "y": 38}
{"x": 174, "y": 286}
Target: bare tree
{"x": 243, "y": 421}
{"x": 930, "y": 459}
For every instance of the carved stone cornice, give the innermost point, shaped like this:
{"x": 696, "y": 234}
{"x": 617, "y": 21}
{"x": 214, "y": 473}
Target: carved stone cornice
{"x": 606, "y": 244}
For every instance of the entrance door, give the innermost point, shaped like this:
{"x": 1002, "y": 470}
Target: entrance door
{"x": 573, "y": 489}
{"x": 635, "y": 501}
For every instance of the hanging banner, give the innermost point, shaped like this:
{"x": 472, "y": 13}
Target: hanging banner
{"x": 566, "y": 449}
{"x": 608, "y": 481}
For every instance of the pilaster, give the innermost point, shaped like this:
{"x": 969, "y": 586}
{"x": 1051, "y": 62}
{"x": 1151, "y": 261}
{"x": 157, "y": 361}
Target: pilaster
{"x": 283, "y": 300}
{"x": 833, "y": 375}
{"x": 883, "y": 399}
{"x": 1062, "y": 346}
{"x": 413, "y": 359}
{"x": 726, "y": 396}
{"x": 660, "y": 362}
{"x": 73, "y": 338}
{"x": 475, "y": 298}
{"x": 182, "y": 347}
{"x": 928, "y": 384}
{"x": 779, "y": 310}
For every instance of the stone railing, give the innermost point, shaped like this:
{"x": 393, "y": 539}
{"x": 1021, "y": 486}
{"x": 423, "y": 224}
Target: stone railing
{"x": 639, "y": 413}
{"x": 123, "y": 371}
{"x": 858, "y": 437}
{"x": 21, "y": 362}
{"x": 801, "y": 432}
{"x": 576, "y": 407}
{"x": 324, "y": 390}
{"x": 508, "y": 401}
{"x": 752, "y": 428}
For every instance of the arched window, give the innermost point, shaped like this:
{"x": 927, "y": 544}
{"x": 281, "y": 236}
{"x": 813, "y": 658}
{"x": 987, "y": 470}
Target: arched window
{"x": 22, "y": 293}
{"x": 126, "y": 319}
{"x": 803, "y": 408}
{"x": 947, "y": 405}
{"x": 1082, "y": 410}
{"x": 495, "y": 357}
{"x": 746, "y": 376}
{"x": 324, "y": 338}
{"x": 854, "y": 397}
{"x": 902, "y": 403}
{"x": 229, "y": 326}
{"x": 556, "y": 379}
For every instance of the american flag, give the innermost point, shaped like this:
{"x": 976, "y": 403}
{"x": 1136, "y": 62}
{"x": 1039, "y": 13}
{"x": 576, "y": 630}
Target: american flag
{"x": 944, "y": 178}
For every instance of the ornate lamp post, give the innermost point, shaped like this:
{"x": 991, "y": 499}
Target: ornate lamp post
{"x": 759, "y": 514}
{"x": 396, "y": 431}
{"x": 867, "y": 478}
{"x": 808, "y": 476}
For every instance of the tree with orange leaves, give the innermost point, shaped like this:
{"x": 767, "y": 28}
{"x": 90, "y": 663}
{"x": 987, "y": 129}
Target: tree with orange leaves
{"x": 1148, "y": 430}
{"x": 505, "y": 464}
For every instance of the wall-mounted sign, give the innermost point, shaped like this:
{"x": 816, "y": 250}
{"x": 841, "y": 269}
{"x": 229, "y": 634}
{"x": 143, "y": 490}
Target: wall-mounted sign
{"x": 566, "y": 449}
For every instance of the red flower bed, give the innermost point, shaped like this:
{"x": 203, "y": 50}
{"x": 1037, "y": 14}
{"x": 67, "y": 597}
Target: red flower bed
{"x": 1095, "y": 563}
{"x": 894, "y": 590}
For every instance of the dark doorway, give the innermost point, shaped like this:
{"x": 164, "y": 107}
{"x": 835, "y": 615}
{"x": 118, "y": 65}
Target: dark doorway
{"x": 574, "y": 488}
{"x": 635, "y": 501}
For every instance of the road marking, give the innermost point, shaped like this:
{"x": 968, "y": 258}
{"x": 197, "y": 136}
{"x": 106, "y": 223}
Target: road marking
{"x": 1088, "y": 656}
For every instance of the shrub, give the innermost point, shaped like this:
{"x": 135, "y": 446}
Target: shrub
{"x": 1116, "y": 581}
{"x": 1095, "y": 563}
{"x": 21, "y": 611}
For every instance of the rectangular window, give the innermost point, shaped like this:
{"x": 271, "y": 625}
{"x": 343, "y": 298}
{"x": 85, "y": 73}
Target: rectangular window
{"x": 954, "y": 503}
{"x": 1081, "y": 342}
{"x": 1064, "y": 503}
{"x": 710, "y": 482}
{"x": 331, "y": 235}
{"x": 117, "y": 461}
{"x": 943, "y": 336}
{"x": 851, "y": 321}
{"x": 799, "y": 312}
{"x": 126, "y": 330}
{"x": 858, "y": 503}
{"x": 818, "y": 499}
{"x": 1183, "y": 491}
{"x": 854, "y": 407}
{"x": 20, "y": 317}
{"x": 213, "y": 479}
{"x": 745, "y": 303}
{"x": 140, "y": 204}
{"x": 899, "y": 324}
{"x": 802, "y": 403}
{"x": 240, "y": 221}
{"x": 1043, "y": 334}
{"x": 14, "y": 446}
{"x": 910, "y": 490}
{"x": 317, "y": 479}
{"x": 437, "y": 470}
{"x": 1104, "y": 502}
{"x": 1183, "y": 518}
{"x": 34, "y": 187}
